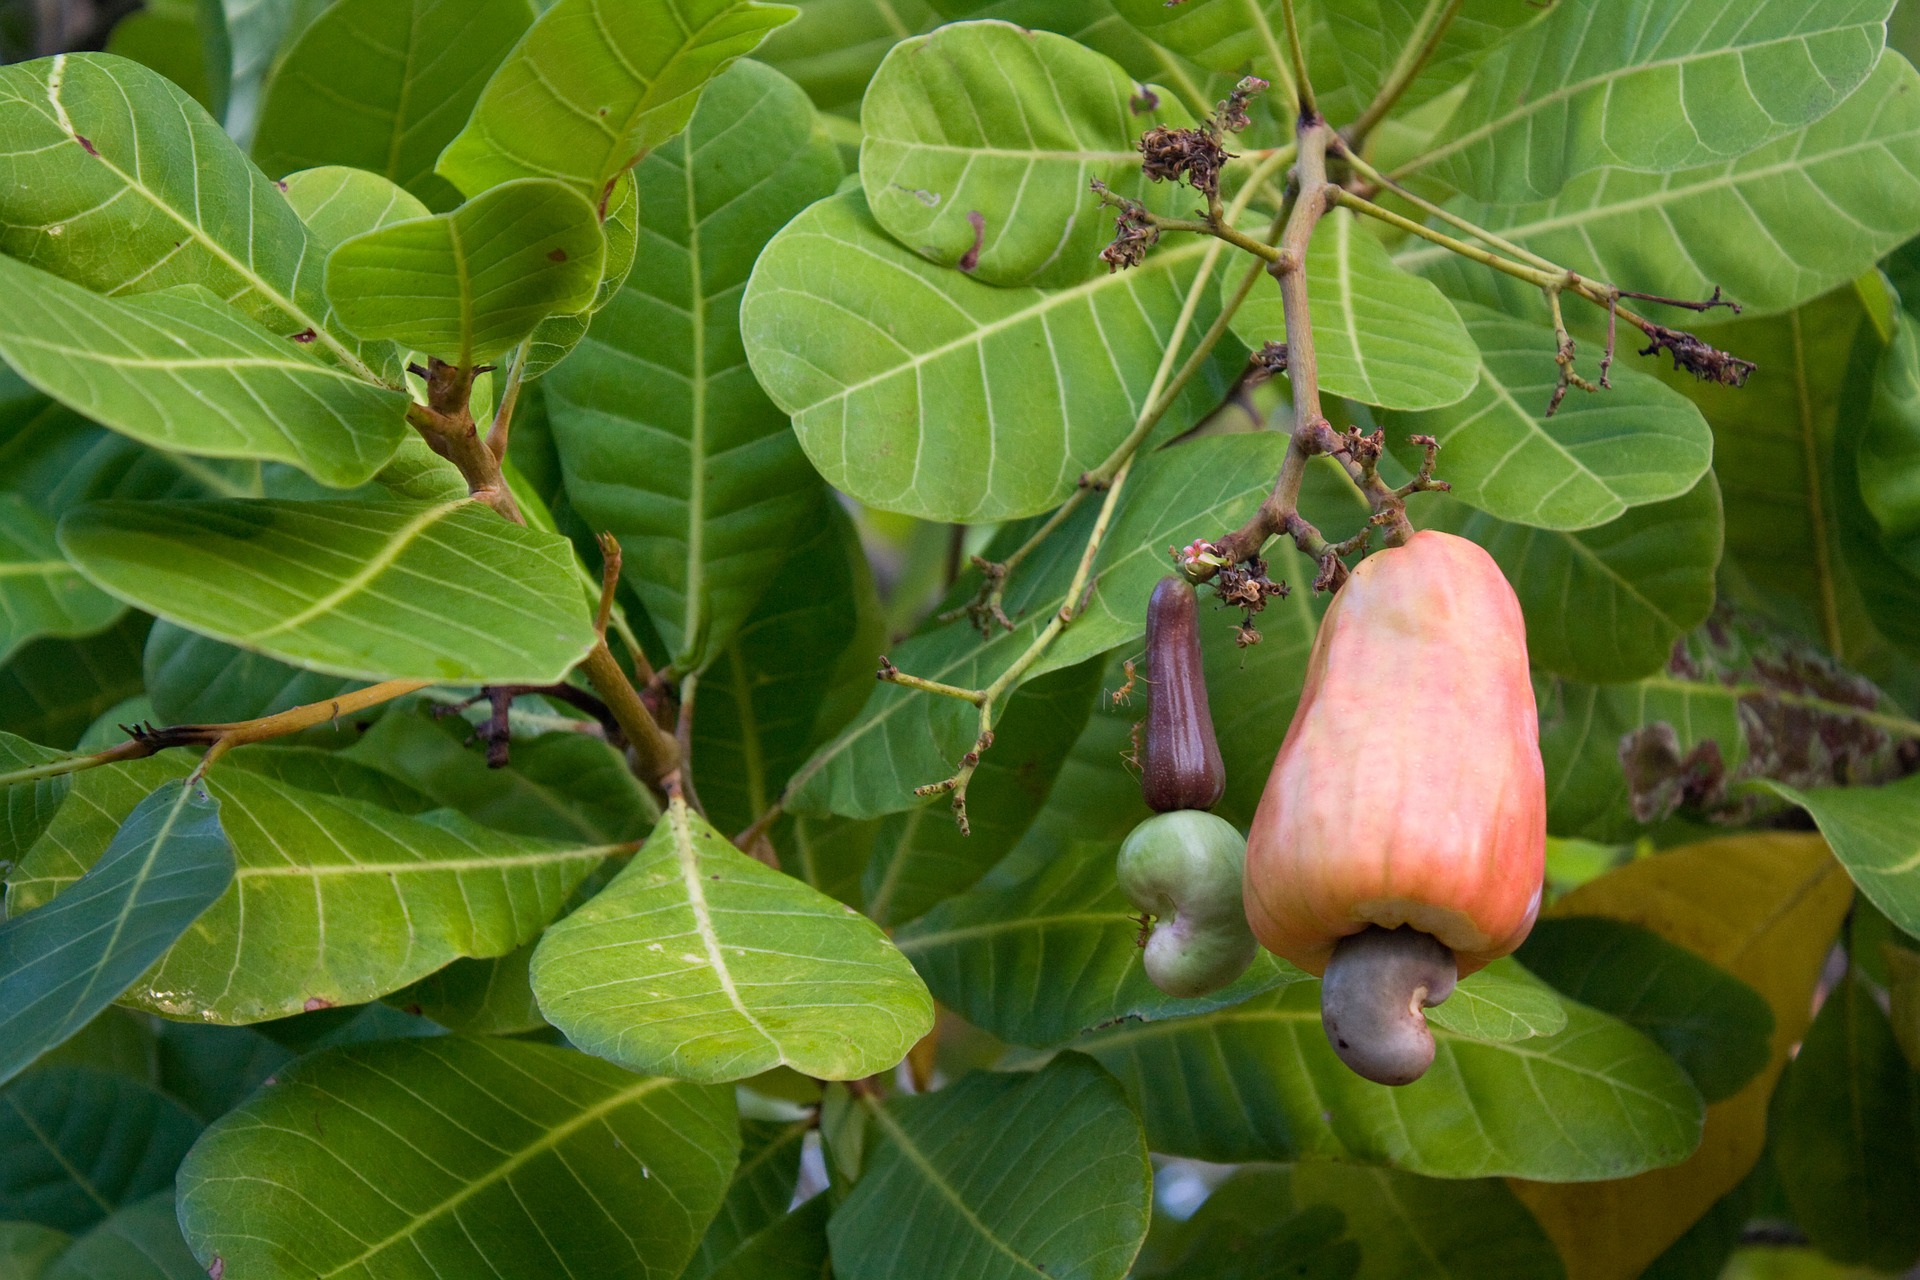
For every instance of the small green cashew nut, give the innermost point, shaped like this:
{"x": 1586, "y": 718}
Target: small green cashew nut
{"x": 1185, "y": 867}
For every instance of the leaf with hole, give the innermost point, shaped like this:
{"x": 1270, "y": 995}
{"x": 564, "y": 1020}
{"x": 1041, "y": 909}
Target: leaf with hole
{"x": 700, "y": 961}
{"x": 378, "y": 590}
{"x": 458, "y": 1157}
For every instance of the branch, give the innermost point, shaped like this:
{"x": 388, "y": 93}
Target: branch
{"x": 145, "y": 740}
{"x": 1303, "y": 87}
{"x": 445, "y": 421}
{"x": 1404, "y": 73}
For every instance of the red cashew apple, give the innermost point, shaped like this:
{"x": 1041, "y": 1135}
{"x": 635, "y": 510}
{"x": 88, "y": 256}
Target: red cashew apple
{"x": 1407, "y": 806}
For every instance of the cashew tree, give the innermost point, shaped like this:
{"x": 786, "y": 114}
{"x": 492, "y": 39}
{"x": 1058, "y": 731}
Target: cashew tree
{"x": 958, "y": 639}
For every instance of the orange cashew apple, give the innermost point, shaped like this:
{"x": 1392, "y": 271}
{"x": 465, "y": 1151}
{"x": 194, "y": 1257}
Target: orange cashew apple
{"x": 1407, "y": 805}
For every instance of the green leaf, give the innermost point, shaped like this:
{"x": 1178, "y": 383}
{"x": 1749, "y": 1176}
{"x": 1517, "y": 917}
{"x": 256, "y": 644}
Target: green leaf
{"x": 793, "y": 1247}
{"x": 1873, "y": 831}
{"x": 40, "y": 593}
{"x": 833, "y": 47}
{"x": 379, "y": 590}
{"x": 460, "y": 1157}
{"x": 1607, "y": 603}
{"x": 1746, "y": 226}
{"x": 595, "y": 85}
{"x": 385, "y": 86}
{"x": 701, "y": 961}
{"x": 28, "y": 1248}
{"x": 66, "y": 961}
{"x": 768, "y": 697}
{"x": 338, "y": 203}
{"x": 1715, "y": 1026}
{"x": 762, "y": 1188}
{"x": 123, "y": 184}
{"x": 1888, "y": 462}
{"x": 665, "y": 438}
{"x": 212, "y": 1068}
{"x": 1000, "y": 1176}
{"x": 139, "y": 1242}
{"x": 1501, "y": 1004}
{"x": 902, "y": 738}
{"x": 559, "y": 786}
{"x": 555, "y": 337}
{"x": 1651, "y": 85}
{"x": 1259, "y": 1082}
{"x": 195, "y": 680}
{"x": 1777, "y": 456}
{"x": 921, "y": 857}
{"x": 1072, "y": 940}
{"x": 1414, "y": 1228}
{"x": 180, "y": 370}
{"x": 336, "y": 900}
{"x": 1844, "y": 1138}
{"x": 468, "y": 286}
{"x": 76, "y": 1144}
{"x": 1380, "y": 336}
{"x": 1599, "y": 455}
{"x": 902, "y": 376}
{"x": 28, "y": 806}
{"x": 255, "y": 32}
{"x": 1735, "y": 702}
{"x": 181, "y": 40}
{"x": 51, "y": 690}
{"x": 1353, "y": 46}
{"x": 981, "y": 139}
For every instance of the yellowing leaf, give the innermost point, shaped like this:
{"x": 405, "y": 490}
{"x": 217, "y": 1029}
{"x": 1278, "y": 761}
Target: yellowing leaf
{"x": 1763, "y": 907}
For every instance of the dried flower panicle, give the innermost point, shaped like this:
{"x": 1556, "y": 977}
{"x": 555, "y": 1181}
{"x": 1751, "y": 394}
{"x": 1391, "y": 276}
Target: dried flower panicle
{"x": 1698, "y": 358}
{"x": 1133, "y": 230}
{"x": 1231, "y": 114}
{"x": 1168, "y": 155}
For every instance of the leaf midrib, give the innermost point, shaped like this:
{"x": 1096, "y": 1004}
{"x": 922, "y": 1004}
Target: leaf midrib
{"x": 506, "y": 1168}
{"x": 1533, "y": 105}
{"x": 56, "y": 78}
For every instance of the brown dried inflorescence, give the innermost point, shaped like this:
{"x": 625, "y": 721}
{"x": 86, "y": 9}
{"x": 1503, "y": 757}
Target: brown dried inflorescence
{"x": 1133, "y": 234}
{"x": 1231, "y": 114}
{"x": 1169, "y": 154}
{"x": 1697, "y": 358}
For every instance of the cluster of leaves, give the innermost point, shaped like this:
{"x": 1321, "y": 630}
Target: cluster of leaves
{"x": 350, "y": 1001}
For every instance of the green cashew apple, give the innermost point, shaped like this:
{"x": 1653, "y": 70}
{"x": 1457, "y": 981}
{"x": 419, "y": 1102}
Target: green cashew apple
{"x": 1186, "y": 867}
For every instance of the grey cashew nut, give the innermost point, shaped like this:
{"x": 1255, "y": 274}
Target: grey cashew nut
{"x": 1377, "y": 985}
{"x": 1185, "y": 867}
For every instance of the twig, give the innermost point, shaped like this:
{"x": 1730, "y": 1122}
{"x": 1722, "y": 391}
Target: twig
{"x": 610, "y": 558}
{"x": 446, "y": 423}
{"x": 145, "y": 740}
{"x": 509, "y": 400}
{"x": 1302, "y": 87}
{"x": 1403, "y": 75}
